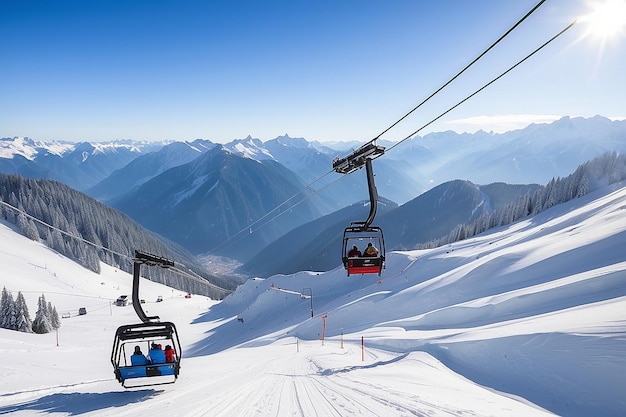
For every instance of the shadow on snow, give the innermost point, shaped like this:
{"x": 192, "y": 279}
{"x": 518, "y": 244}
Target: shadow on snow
{"x": 80, "y": 403}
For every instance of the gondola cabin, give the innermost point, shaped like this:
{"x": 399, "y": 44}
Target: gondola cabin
{"x": 363, "y": 249}
{"x": 155, "y": 366}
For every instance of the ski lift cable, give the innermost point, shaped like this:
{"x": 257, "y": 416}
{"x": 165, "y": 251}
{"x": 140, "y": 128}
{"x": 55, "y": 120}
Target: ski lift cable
{"x": 519, "y": 22}
{"x": 438, "y": 90}
{"x": 234, "y": 238}
{"x": 121, "y": 255}
{"x": 460, "y": 72}
{"x": 306, "y": 187}
{"x": 486, "y": 85}
{"x": 228, "y": 242}
{"x": 200, "y": 280}
{"x": 303, "y": 199}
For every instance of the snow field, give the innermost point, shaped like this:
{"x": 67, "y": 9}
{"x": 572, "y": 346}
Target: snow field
{"x": 527, "y": 320}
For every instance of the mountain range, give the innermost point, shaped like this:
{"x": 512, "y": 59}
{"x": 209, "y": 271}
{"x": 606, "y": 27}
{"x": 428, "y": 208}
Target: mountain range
{"x": 534, "y": 154}
{"x": 80, "y": 165}
{"x": 236, "y": 199}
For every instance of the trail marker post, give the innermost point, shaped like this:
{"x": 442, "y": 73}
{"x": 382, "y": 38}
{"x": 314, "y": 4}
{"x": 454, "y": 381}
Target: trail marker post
{"x": 324, "y": 317}
{"x": 341, "y": 338}
{"x": 362, "y": 349}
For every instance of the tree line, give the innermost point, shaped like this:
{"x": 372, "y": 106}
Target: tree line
{"x": 14, "y": 314}
{"x": 88, "y": 232}
{"x": 609, "y": 168}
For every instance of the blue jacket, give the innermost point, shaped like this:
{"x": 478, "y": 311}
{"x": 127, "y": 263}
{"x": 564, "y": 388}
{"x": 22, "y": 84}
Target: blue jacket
{"x": 138, "y": 359}
{"x": 156, "y": 355}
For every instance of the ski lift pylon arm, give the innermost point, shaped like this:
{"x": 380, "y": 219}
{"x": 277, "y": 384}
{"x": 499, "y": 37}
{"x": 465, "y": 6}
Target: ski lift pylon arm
{"x": 356, "y": 160}
{"x": 148, "y": 259}
{"x": 373, "y": 193}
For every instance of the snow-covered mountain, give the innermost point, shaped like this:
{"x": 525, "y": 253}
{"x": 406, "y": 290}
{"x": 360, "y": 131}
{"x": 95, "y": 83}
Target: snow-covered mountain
{"x": 79, "y": 165}
{"x": 28, "y": 148}
{"x": 311, "y": 162}
{"x": 531, "y": 155}
{"x": 148, "y": 166}
{"x": 534, "y": 154}
{"x": 525, "y": 320}
{"x": 204, "y": 203}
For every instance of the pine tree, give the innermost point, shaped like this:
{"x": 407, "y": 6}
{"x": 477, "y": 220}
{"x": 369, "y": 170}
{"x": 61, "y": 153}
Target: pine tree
{"x": 23, "y": 321}
{"x": 9, "y": 312}
{"x": 42, "y": 323}
{"x": 22, "y": 222}
{"x": 57, "y": 241}
{"x": 583, "y": 186}
{"x": 5, "y": 302}
{"x": 56, "y": 321}
{"x": 53, "y": 316}
{"x": 550, "y": 195}
{"x": 32, "y": 233}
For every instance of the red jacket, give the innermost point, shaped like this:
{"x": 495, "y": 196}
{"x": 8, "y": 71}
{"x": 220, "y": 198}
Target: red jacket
{"x": 169, "y": 355}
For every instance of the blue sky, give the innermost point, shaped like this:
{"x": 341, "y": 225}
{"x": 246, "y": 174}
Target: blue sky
{"x": 323, "y": 70}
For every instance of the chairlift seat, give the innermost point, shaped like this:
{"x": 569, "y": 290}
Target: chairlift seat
{"x": 141, "y": 371}
{"x": 365, "y": 265}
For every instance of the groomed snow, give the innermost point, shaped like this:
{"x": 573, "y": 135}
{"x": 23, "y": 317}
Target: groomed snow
{"x": 527, "y": 320}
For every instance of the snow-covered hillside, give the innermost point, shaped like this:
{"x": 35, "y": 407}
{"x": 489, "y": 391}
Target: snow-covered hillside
{"x": 528, "y": 320}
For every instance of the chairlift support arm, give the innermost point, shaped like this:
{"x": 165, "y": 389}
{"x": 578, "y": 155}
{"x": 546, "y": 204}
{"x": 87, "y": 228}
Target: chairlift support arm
{"x": 152, "y": 260}
{"x": 355, "y": 161}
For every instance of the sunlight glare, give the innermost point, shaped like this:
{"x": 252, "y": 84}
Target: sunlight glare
{"x": 607, "y": 19}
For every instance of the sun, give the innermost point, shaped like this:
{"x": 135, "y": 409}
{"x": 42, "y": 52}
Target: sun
{"x": 606, "y": 20}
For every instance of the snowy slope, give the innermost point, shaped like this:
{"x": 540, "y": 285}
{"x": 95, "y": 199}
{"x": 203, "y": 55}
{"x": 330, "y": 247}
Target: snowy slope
{"x": 526, "y": 320}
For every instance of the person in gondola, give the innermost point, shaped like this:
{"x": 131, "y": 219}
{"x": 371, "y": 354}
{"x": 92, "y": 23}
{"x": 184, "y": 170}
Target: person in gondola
{"x": 156, "y": 354}
{"x": 354, "y": 252}
{"x": 169, "y": 354}
{"x": 137, "y": 357}
{"x": 371, "y": 250}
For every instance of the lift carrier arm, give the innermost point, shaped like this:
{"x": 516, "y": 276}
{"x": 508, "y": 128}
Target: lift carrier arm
{"x": 148, "y": 259}
{"x": 356, "y": 160}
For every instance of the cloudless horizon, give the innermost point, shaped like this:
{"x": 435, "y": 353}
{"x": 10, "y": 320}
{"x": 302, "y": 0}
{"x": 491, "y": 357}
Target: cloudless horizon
{"x": 325, "y": 71}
